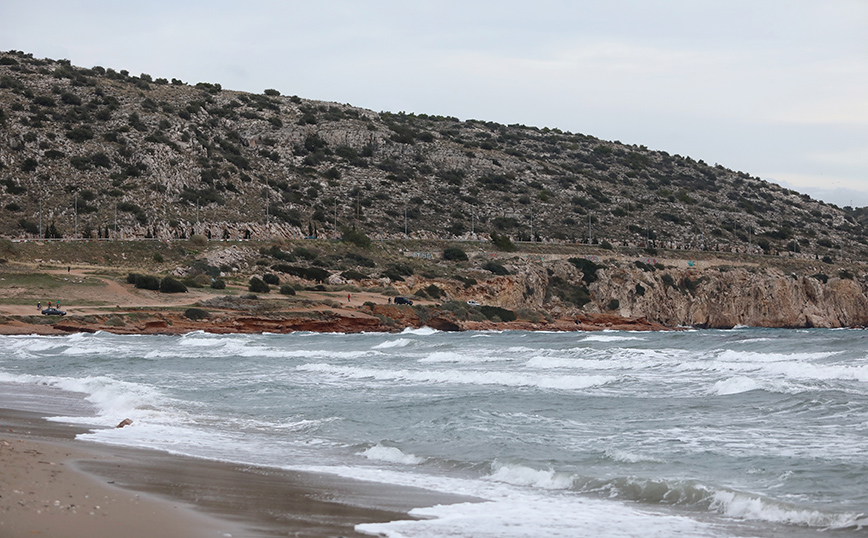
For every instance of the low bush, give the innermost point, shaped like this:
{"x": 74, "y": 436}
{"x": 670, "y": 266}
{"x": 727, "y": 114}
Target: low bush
{"x": 196, "y": 314}
{"x": 495, "y": 268}
{"x": 257, "y": 285}
{"x": 271, "y": 278}
{"x": 587, "y": 267}
{"x": 308, "y": 273}
{"x": 287, "y": 289}
{"x": 495, "y": 313}
{"x": 144, "y": 282}
{"x": 454, "y": 254}
{"x": 218, "y": 284}
{"x": 433, "y": 291}
{"x": 170, "y": 285}
{"x": 356, "y": 238}
{"x": 353, "y": 275}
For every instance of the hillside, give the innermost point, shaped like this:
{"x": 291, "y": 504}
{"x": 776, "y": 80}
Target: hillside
{"x": 97, "y": 152}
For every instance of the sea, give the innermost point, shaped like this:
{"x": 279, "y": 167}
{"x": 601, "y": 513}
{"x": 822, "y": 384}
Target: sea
{"x": 702, "y": 433}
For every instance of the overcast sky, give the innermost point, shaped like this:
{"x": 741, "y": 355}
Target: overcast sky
{"x": 778, "y": 89}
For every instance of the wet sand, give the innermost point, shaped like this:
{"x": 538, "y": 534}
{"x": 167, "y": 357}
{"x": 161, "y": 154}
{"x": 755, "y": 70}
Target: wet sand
{"x": 53, "y": 485}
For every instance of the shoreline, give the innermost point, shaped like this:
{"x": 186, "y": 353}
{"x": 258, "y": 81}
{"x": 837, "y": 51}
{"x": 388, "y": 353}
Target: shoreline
{"x": 54, "y": 485}
{"x": 160, "y": 322}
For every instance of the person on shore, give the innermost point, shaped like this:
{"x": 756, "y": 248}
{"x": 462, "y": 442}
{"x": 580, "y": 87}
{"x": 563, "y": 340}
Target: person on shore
{"x": 348, "y": 297}
{"x": 49, "y": 304}
{"x": 38, "y": 305}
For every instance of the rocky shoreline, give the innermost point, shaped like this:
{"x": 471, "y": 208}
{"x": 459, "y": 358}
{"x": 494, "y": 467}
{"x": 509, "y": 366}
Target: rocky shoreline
{"x": 381, "y": 318}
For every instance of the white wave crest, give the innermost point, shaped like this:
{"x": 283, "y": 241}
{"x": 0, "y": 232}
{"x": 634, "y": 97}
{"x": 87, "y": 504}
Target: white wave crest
{"x": 598, "y": 337}
{"x": 624, "y": 456}
{"x": 741, "y": 506}
{"x": 463, "y": 377}
{"x": 423, "y": 331}
{"x": 391, "y": 454}
{"x": 521, "y": 475}
{"x": 453, "y": 357}
{"x": 734, "y": 385}
{"x": 400, "y": 342}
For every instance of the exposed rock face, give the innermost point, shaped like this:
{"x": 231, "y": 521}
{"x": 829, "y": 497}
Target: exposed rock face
{"x": 738, "y": 296}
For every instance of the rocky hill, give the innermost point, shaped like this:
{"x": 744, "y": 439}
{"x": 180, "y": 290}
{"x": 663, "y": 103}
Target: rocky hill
{"x": 94, "y": 152}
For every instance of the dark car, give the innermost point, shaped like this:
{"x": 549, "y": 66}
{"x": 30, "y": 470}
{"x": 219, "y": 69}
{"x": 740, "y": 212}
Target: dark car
{"x": 53, "y": 312}
{"x": 402, "y": 300}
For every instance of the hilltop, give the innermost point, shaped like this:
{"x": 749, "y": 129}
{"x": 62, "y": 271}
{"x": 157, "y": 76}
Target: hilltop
{"x": 94, "y": 152}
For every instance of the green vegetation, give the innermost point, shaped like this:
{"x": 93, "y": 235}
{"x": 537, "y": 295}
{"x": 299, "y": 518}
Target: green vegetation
{"x": 454, "y": 254}
{"x": 170, "y": 285}
{"x": 196, "y": 314}
{"x": 257, "y": 285}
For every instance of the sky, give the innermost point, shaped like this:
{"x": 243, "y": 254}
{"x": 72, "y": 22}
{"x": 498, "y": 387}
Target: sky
{"x": 777, "y": 89}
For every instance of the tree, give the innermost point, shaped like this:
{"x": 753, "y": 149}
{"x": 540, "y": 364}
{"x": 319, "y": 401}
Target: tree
{"x": 52, "y": 233}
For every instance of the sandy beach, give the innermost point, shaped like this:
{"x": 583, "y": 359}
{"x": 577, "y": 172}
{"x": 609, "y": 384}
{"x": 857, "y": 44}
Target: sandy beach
{"x": 52, "y": 485}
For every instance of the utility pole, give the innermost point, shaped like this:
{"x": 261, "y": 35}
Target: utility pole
{"x": 75, "y": 212}
{"x": 589, "y": 228}
{"x": 472, "y": 222}
{"x": 40, "y": 218}
{"x": 336, "y": 218}
{"x": 405, "y": 221}
{"x": 116, "y": 224}
{"x": 197, "y": 216}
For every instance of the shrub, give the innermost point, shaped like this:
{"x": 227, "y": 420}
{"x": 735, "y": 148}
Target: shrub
{"x": 29, "y": 164}
{"x": 271, "y": 278}
{"x": 495, "y": 268}
{"x": 218, "y": 284}
{"x": 587, "y": 267}
{"x": 503, "y": 242}
{"x": 147, "y": 282}
{"x": 287, "y": 289}
{"x": 454, "y": 254}
{"x": 433, "y": 291}
{"x": 257, "y": 285}
{"x": 614, "y": 304}
{"x": 353, "y": 275}
{"x": 170, "y": 285}
{"x": 79, "y": 134}
{"x": 356, "y": 238}
{"x": 495, "y": 312}
{"x": 307, "y": 273}
{"x": 568, "y": 292}
{"x": 158, "y": 257}
{"x": 199, "y": 240}
{"x": 196, "y": 314}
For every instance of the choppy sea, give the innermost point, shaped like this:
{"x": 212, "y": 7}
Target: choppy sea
{"x": 746, "y": 432}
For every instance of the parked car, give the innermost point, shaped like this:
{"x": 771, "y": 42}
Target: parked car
{"x": 403, "y": 300}
{"x": 473, "y": 303}
{"x": 53, "y": 312}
